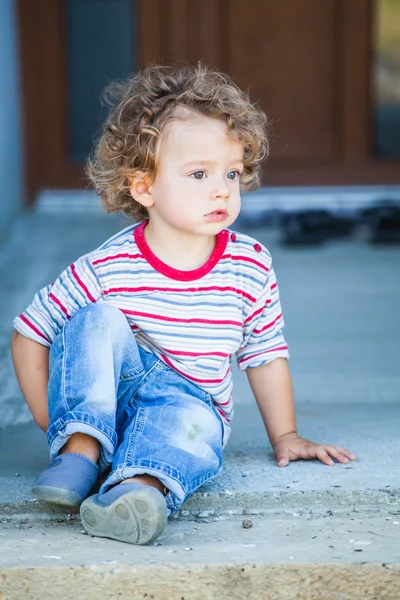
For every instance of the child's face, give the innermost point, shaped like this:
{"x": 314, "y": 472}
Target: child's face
{"x": 196, "y": 189}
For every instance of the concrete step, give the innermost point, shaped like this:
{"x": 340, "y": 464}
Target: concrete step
{"x": 346, "y": 377}
{"x": 251, "y": 481}
{"x": 351, "y": 556}
{"x": 316, "y": 532}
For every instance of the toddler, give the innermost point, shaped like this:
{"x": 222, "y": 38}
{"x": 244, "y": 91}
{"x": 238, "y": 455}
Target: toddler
{"x": 125, "y": 359}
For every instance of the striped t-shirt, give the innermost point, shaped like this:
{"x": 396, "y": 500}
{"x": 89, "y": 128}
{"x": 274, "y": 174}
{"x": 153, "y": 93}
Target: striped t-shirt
{"x": 194, "y": 321}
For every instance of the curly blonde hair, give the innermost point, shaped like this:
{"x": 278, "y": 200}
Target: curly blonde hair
{"x": 143, "y": 105}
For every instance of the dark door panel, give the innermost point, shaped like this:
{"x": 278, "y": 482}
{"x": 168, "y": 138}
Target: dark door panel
{"x": 308, "y": 63}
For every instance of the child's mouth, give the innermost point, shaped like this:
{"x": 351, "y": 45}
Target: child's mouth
{"x": 217, "y": 215}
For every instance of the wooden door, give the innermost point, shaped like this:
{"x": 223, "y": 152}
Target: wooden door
{"x": 308, "y": 63}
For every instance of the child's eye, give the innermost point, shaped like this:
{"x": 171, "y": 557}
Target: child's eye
{"x": 232, "y": 175}
{"x": 199, "y": 175}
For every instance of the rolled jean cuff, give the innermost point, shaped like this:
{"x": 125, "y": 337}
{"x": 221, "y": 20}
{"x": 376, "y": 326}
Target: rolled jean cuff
{"x": 79, "y": 422}
{"x": 169, "y": 477}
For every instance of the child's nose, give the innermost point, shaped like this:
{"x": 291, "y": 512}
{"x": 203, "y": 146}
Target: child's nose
{"x": 221, "y": 190}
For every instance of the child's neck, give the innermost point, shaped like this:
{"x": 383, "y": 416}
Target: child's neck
{"x": 180, "y": 251}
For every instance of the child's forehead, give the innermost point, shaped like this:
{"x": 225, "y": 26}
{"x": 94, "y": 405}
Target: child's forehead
{"x": 187, "y": 121}
{"x": 190, "y": 130}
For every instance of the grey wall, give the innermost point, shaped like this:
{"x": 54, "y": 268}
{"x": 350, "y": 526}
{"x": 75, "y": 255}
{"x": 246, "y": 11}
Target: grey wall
{"x": 11, "y": 187}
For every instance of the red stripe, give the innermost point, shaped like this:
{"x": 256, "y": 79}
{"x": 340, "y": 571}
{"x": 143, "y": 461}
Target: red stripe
{"x": 259, "y": 311}
{"x": 83, "y": 286}
{"x": 225, "y": 403}
{"x": 174, "y": 320}
{"x": 57, "y": 301}
{"x": 179, "y": 353}
{"x": 261, "y": 353}
{"x": 179, "y": 290}
{"x": 124, "y": 255}
{"x": 223, "y": 415}
{"x": 269, "y": 325}
{"x": 31, "y": 325}
{"x": 273, "y": 286}
{"x": 246, "y": 259}
{"x": 169, "y": 363}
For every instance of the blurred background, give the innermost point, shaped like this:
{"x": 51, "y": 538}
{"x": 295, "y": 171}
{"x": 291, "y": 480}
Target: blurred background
{"x": 327, "y": 72}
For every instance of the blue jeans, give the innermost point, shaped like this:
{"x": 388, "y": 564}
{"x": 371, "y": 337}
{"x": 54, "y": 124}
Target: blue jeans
{"x": 147, "y": 418}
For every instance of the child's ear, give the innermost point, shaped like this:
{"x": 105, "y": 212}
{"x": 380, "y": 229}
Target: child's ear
{"x": 140, "y": 189}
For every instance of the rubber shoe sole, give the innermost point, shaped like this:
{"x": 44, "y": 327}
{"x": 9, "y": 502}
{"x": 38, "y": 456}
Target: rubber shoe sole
{"x": 57, "y": 496}
{"x": 136, "y": 516}
{"x": 67, "y": 480}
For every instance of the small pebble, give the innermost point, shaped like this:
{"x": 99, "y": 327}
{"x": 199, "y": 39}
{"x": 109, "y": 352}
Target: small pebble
{"x": 157, "y": 544}
{"x": 188, "y": 548}
{"x": 202, "y": 521}
{"x": 205, "y": 513}
{"x": 247, "y": 523}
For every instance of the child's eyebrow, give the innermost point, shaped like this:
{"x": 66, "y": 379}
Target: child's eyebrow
{"x": 237, "y": 161}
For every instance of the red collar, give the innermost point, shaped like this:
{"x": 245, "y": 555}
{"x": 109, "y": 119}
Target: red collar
{"x": 164, "y": 269}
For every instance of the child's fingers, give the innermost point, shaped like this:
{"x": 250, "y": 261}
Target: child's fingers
{"x": 337, "y": 454}
{"x": 323, "y": 456}
{"x": 282, "y": 458}
{"x": 341, "y": 454}
{"x": 345, "y": 453}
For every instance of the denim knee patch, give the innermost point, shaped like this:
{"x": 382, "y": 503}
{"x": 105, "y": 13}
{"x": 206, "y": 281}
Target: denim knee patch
{"x": 174, "y": 434}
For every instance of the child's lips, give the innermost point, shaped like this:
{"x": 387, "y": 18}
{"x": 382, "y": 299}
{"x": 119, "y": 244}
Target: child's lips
{"x": 217, "y": 215}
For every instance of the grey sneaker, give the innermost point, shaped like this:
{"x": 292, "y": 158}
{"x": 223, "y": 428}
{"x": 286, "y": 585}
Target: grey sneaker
{"x": 128, "y": 512}
{"x": 67, "y": 481}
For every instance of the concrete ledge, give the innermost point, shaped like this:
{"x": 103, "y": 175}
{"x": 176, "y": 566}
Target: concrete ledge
{"x": 313, "y": 527}
{"x": 212, "y": 505}
{"x": 327, "y": 557}
{"x": 197, "y": 582}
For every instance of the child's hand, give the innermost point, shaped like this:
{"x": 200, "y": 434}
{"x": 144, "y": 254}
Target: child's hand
{"x": 293, "y": 447}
